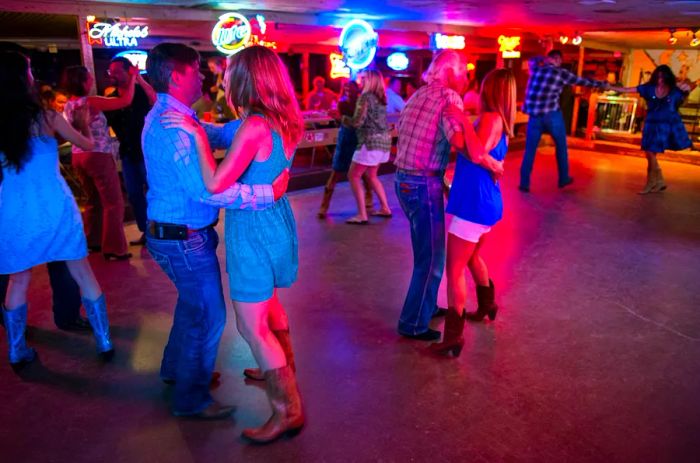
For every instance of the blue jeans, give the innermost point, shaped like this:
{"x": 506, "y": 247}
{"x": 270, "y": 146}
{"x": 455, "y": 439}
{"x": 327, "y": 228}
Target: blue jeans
{"x": 553, "y": 124}
{"x": 422, "y": 201}
{"x": 200, "y": 316}
{"x": 134, "y": 173}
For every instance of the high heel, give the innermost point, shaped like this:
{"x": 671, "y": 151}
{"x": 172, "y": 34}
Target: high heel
{"x": 659, "y": 184}
{"x": 97, "y": 315}
{"x": 110, "y": 256}
{"x": 15, "y": 324}
{"x": 486, "y": 296}
{"x": 453, "y": 340}
{"x": 651, "y": 183}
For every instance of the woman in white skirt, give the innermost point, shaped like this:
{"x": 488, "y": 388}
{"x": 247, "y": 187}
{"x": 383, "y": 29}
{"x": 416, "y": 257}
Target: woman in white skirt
{"x": 373, "y": 144}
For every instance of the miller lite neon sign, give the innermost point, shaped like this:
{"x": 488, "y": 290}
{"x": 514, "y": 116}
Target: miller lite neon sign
{"x": 231, "y": 34}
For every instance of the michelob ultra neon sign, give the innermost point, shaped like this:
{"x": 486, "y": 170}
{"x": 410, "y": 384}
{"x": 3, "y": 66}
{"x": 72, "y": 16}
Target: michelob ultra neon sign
{"x": 115, "y": 35}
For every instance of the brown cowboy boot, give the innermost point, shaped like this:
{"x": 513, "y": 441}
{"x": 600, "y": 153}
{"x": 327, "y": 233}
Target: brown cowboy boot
{"x": 287, "y": 413}
{"x": 325, "y": 202}
{"x": 452, "y": 341}
{"x": 486, "y": 297}
{"x": 286, "y": 345}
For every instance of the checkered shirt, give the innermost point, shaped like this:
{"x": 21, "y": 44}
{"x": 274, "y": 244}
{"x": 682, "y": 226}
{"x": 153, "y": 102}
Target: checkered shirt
{"x": 545, "y": 86}
{"x": 176, "y": 191}
{"x": 425, "y": 131}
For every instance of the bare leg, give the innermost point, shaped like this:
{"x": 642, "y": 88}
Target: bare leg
{"x": 277, "y": 317}
{"x": 459, "y": 252}
{"x": 17, "y": 289}
{"x": 355, "y": 178}
{"x": 378, "y": 189}
{"x": 369, "y": 202}
{"x": 477, "y": 266}
{"x": 252, "y": 322}
{"x": 82, "y": 273}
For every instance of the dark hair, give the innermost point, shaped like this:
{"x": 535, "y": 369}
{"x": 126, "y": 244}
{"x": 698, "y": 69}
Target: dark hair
{"x": 126, "y": 64}
{"x": 555, "y": 54}
{"x": 20, "y": 108}
{"x": 165, "y": 58}
{"x": 666, "y": 75}
{"x": 73, "y": 80}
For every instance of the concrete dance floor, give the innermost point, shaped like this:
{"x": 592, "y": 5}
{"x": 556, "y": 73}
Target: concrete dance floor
{"x": 595, "y": 355}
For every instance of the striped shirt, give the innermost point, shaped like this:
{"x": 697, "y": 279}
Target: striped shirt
{"x": 176, "y": 191}
{"x": 425, "y": 131}
{"x": 545, "y": 86}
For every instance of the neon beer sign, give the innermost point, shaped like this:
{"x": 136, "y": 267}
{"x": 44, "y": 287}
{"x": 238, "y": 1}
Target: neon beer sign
{"x": 358, "y": 42}
{"x": 397, "y": 61}
{"x": 231, "y": 34}
{"x": 508, "y": 45}
{"x": 115, "y": 35}
{"x": 445, "y": 42}
{"x": 338, "y": 66}
{"x": 136, "y": 57}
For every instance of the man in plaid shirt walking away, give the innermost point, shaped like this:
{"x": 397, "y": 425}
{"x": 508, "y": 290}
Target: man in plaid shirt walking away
{"x": 547, "y": 80}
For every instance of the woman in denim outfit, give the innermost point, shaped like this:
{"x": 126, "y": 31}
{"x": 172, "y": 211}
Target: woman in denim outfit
{"x": 261, "y": 245}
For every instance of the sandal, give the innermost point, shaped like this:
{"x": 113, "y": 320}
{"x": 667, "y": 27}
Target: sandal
{"x": 387, "y": 215}
{"x": 357, "y": 221}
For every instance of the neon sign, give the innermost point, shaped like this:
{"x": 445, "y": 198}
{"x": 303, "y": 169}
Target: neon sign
{"x": 358, "y": 42}
{"x": 115, "y": 35}
{"x": 338, "y": 66}
{"x": 508, "y": 45}
{"x": 453, "y": 42}
{"x": 231, "y": 34}
{"x": 136, "y": 57}
{"x": 397, "y": 61}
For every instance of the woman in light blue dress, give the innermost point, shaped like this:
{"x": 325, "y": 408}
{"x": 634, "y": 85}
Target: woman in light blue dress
{"x": 39, "y": 219}
{"x": 261, "y": 246}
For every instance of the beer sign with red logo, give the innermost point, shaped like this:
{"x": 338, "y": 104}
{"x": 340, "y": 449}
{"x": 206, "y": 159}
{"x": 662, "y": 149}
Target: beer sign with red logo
{"x": 231, "y": 34}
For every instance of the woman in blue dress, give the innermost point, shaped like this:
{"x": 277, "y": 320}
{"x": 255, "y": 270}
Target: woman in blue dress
{"x": 261, "y": 245}
{"x": 476, "y": 205}
{"x": 39, "y": 219}
{"x": 663, "y": 126}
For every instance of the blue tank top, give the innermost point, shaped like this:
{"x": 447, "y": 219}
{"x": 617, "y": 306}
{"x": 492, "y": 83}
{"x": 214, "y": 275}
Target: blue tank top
{"x": 474, "y": 195}
{"x": 264, "y": 172}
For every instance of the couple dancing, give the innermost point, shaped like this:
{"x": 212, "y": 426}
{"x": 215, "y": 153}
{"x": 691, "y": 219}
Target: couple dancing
{"x": 187, "y": 189}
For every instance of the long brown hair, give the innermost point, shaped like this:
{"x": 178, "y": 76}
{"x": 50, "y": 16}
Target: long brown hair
{"x": 373, "y": 82}
{"x": 258, "y": 82}
{"x": 498, "y": 96}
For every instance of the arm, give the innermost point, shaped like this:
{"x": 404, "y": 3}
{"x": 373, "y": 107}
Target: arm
{"x": 572, "y": 79}
{"x": 150, "y": 92}
{"x": 68, "y": 133}
{"x": 477, "y": 144}
{"x": 360, "y": 114}
{"x": 624, "y": 89}
{"x": 220, "y": 136}
{"x": 102, "y": 103}
{"x": 536, "y": 61}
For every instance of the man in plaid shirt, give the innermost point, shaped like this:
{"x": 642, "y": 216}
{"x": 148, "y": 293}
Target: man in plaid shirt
{"x": 427, "y": 132}
{"x": 547, "y": 80}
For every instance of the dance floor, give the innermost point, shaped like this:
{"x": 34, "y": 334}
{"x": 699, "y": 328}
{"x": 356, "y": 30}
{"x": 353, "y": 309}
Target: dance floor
{"x": 595, "y": 355}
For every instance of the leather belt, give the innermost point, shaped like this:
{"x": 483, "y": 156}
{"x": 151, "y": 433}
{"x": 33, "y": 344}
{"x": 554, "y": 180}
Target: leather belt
{"x": 422, "y": 173}
{"x": 172, "y": 231}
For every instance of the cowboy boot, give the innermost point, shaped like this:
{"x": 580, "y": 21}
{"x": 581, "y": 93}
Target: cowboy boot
{"x": 15, "y": 323}
{"x": 325, "y": 202}
{"x": 452, "y": 341}
{"x": 287, "y": 413}
{"x": 486, "y": 298}
{"x": 97, "y": 315}
{"x": 660, "y": 184}
{"x": 286, "y": 345}
{"x": 651, "y": 181}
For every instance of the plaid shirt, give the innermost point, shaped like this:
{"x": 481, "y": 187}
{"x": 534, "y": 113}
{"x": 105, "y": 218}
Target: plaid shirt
{"x": 425, "y": 131}
{"x": 545, "y": 86}
{"x": 176, "y": 191}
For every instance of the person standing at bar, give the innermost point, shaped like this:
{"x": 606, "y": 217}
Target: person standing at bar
{"x": 180, "y": 234}
{"x": 547, "y": 80}
{"x": 426, "y": 134}
{"x": 663, "y": 126}
{"x": 127, "y": 124}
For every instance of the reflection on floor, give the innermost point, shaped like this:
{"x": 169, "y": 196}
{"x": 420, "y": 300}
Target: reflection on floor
{"x": 594, "y": 356}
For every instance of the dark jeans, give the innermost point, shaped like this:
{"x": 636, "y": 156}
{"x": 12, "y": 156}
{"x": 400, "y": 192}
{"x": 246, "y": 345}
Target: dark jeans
{"x": 200, "y": 315}
{"x": 134, "y": 173}
{"x": 66, "y": 293}
{"x": 422, "y": 201}
{"x": 553, "y": 124}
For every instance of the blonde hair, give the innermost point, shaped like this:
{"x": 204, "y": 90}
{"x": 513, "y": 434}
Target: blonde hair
{"x": 498, "y": 96}
{"x": 373, "y": 83}
{"x": 444, "y": 61}
{"x": 258, "y": 82}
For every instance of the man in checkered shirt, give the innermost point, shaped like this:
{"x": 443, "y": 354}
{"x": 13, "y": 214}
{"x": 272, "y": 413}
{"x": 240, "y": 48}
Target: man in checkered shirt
{"x": 427, "y": 132}
{"x": 547, "y": 80}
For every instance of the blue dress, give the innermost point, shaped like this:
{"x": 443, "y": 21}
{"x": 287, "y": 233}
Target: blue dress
{"x": 39, "y": 219}
{"x": 474, "y": 196}
{"x": 262, "y": 246}
{"x": 663, "y": 126}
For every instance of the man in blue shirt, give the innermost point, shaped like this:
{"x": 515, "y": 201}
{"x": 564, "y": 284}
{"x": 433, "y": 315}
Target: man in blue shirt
{"x": 180, "y": 234}
{"x": 547, "y": 80}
